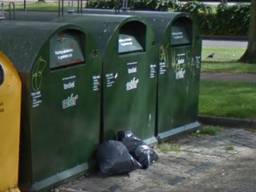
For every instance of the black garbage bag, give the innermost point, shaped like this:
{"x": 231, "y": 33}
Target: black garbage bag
{"x": 129, "y": 140}
{"x": 114, "y": 159}
{"x": 144, "y": 154}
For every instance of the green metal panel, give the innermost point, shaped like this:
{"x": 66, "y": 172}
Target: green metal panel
{"x": 178, "y": 80}
{"x": 195, "y": 75}
{"x": 61, "y": 105}
{"x": 129, "y": 101}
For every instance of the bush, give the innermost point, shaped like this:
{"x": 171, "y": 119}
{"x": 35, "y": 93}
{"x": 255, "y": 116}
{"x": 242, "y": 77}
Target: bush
{"x": 225, "y": 20}
{"x": 103, "y": 4}
{"x": 161, "y": 5}
{"x": 232, "y": 20}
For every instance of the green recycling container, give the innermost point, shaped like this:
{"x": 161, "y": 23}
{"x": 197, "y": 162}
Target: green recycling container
{"x": 60, "y": 72}
{"x": 179, "y": 64}
{"x": 179, "y": 72}
{"x": 129, "y": 69}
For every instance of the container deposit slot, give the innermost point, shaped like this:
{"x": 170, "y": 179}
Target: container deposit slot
{"x": 181, "y": 32}
{"x": 66, "y": 49}
{"x": 132, "y": 38}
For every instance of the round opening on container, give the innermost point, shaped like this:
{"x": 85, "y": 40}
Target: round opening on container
{"x": 1, "y": 75}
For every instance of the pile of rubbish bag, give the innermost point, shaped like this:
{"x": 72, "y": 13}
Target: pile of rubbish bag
{"x": 124, "y": 155}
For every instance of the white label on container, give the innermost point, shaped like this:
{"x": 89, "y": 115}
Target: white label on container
{"x": 180, "y": 74}
{"x": 132, "y": 70}
{"x": 180, "y": 66}
{"x": 64, "y": 54}
{"x": 198, "y": 61}
{"x": 126, "y": 42}
{"x": 36, "y": 99}
{"x": 96, "y": 82}
{"x": 68, "y": 78}
{"x": 153, "y": 71}
{"x": 69, "y": 85}
{"x": 132, "y": 67}
{"x": 162, "y": 68}
{"x": 133, "y": 84}
{"x": 69, "y": 82}
{"x": 70, "y": 101}
{"x": 177, "y": 35}
{"x": 110, "y": 79}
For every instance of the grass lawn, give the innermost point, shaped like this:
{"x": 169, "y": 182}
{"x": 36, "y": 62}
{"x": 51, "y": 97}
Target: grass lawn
{"x": 40, "y": 6}
{"x": 225, "y": 60}
{"x": 222, "y": 54}
{"x": 228, "y": 99}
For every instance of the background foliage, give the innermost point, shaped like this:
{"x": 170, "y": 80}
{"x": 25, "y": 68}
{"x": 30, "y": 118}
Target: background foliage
{"x": 221, "y": 20}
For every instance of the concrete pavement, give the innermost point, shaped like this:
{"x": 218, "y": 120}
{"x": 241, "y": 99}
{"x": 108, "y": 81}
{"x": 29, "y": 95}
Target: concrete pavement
{"x": 222, "y": 163}
{"x": 224, "y": 44}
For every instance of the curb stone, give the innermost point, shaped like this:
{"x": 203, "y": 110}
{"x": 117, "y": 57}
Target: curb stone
{"x": 228, "y": 122}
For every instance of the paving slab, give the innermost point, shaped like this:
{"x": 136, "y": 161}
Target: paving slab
{"x": 225, "y": 162}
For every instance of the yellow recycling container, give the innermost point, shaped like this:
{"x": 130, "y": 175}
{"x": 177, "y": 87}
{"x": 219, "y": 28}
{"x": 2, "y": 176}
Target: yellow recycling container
{"x": 10, "y": 104}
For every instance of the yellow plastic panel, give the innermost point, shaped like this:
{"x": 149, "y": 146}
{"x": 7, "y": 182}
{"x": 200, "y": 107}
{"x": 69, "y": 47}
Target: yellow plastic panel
{"x": 10, "y": 102}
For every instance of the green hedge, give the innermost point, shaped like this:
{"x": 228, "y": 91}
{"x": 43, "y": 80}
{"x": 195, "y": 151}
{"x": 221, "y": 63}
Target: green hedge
{"x": 223, "y": 20}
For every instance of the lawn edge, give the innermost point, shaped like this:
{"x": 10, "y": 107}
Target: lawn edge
{"x": 228, "y": 122}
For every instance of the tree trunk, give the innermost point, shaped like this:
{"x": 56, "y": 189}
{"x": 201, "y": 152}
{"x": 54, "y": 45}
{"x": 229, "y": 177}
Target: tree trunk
{"x": 250, "y": 54}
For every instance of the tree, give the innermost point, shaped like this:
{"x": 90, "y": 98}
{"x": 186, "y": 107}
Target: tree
{"x": 250, "y": 54}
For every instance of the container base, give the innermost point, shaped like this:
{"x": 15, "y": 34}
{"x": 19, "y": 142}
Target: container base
{"x": 58, "y": 178}
{"x": 151, "y": 140}
{"x": 175, "y": 131}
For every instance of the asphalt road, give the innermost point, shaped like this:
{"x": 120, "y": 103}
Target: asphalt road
{"x": 224, "y": 44}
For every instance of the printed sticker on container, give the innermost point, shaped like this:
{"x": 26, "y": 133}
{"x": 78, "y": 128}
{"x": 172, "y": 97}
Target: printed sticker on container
{"x": 132, "y": 67}
{"x": 69, "y": 82}
{"x": 162, "y": 63}
{"x": 153, "y": 71}
{"x": 133, "y": 84}
{"x": 37, "y": 73}
{"x": 110, "y": 79}
{"x": 96, "y": 82}
{"x": 70, "y": 101}
{"x": 180, "y": 66}
{"x": 36, "y": 99}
